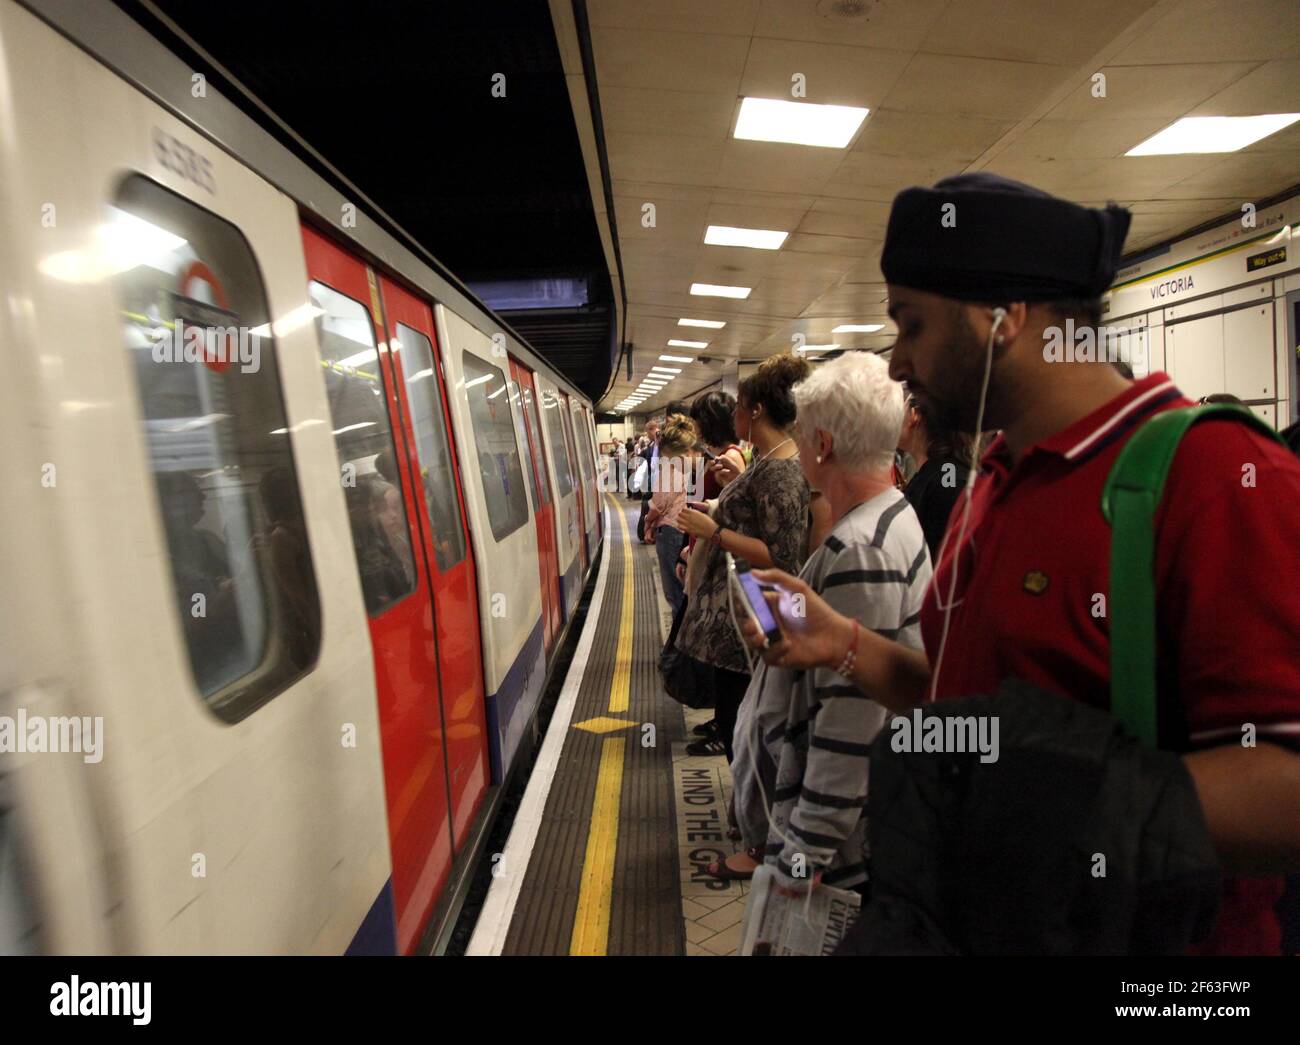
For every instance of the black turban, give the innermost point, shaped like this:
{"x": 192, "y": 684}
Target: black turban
{"x": 1000, "y": 241}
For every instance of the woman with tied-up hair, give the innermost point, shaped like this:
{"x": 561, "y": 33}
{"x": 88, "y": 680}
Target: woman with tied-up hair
{"x": 760, "y": 516}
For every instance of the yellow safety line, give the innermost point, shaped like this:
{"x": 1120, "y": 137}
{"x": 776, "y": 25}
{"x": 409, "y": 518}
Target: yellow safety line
{"x": 596, "y": 891}
{"x": 596, "y": 895}
{"x": 621, "y": 686}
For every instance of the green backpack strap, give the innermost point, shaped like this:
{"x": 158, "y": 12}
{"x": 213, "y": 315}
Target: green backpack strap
{"x": 1129, "y": 501}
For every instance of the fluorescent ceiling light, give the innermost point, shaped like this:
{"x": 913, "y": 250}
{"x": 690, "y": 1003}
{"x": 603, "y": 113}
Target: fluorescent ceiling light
{"x": 676, "y": 359}
{"x": 711, "y": 324}
{"x": 1212, "y": 134}
{"x": 665, "y": 370}
{"x": 687, "y": 344}
{"x": 858, "y": 328}
{"x": 713, "y": 290}
{"x": 799, "y": 123}
{"x": 818, "y": 348}
{"x": 730, "y": 236}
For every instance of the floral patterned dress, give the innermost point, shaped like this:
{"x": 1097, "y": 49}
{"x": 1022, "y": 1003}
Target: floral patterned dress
{"x": 769, "y": 501}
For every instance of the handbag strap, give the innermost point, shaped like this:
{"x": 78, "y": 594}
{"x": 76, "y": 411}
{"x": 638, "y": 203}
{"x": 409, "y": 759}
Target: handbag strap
{"x": 1129, "y": 501}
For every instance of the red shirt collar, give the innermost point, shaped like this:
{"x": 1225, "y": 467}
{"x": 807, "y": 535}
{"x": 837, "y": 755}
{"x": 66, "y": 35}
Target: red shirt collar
{"x": 1090, "y": 433}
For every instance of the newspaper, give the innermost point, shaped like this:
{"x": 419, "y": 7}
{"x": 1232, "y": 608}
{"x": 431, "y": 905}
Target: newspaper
{"x": 781, "y": 925}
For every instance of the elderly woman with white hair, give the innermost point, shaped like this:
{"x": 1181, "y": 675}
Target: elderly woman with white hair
{"x": 802, "y": 737}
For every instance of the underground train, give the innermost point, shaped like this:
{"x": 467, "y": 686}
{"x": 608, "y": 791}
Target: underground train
{"x": 294, "y": 529}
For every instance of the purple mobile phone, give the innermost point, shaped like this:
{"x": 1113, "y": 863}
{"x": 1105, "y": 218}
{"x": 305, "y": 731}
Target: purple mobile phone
{"x": 759, "y": 610}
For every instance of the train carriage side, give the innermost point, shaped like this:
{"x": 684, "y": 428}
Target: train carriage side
{"x": 579, "y": 475}
{"x": 591, "y": 473}
{"x": 568, "y": 533}
{"x": 502, "y": 531}
{"x": 194, "y": 520}
{"x": 543, "y": 509}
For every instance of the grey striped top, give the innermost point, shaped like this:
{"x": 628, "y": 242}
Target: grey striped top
{"x": 805, "y": 734}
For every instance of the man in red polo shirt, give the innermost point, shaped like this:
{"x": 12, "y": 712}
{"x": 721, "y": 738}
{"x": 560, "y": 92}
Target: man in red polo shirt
{"x": 982, "y": 271}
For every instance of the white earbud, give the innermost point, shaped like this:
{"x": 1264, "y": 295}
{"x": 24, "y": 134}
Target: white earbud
{"x": 999, "y": 314}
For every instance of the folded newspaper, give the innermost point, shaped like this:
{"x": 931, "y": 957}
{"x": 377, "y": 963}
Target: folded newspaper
{"x": 779, "y": 925}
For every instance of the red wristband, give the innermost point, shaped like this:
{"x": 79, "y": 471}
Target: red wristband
{"x": 845, "y": 668}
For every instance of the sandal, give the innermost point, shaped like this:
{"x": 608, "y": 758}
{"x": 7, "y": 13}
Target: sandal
{"x": 722, "y": 871}
{"x": 707, "y": 746}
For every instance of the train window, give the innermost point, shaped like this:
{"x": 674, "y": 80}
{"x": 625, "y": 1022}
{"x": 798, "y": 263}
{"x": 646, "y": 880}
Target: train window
{"x": 521, "y": 435}
{"x": 363, "y": 440}
{"x": 196, "y": 322}
{"x": 424, "y": 393}
{"x": 535, "y": 440}
{"x": 551, "y": 407}
{"x": 498, "y": 453}
{"x": 566, "y": 422}
{"x": 582, "y": 442}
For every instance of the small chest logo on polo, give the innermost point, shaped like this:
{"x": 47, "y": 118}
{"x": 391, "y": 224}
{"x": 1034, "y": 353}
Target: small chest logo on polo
{"x": 1035, "y": 582}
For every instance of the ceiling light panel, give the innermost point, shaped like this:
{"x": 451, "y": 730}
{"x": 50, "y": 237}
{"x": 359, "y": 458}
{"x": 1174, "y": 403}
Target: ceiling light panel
{"x": 730, "y": 236}
{"x": 713, "y": 290}
{"x": 798, "y": 123}
{"x": 1212, "y": 134}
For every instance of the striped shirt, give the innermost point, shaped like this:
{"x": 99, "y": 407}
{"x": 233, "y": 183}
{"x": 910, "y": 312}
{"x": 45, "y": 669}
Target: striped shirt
{"x": 802, "y": 736}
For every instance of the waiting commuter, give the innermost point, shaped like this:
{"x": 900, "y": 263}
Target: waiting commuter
{"x": 650, "y": 453}
{"x": 802, "y": 736}
{"x": 943, "y": 462}
{"x": 714, "y": 413}
{"x": 1015, "y": 593}
{"x": 761, "y": 516}
{"x": 677, "y": 455}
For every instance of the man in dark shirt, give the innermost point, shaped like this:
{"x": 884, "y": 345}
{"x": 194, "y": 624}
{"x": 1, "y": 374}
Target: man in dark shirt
{"x": 943, "y": 466}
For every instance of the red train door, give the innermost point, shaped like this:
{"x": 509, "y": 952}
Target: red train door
{"x": 390, "y": 557}
{"x": 432, "y": 463}
{"x": 545, "y": 515}
{"x": 566, "y": 418}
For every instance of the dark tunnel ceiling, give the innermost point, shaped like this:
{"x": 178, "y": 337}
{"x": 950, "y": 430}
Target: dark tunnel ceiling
{"x": 397, "y": 96}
